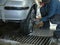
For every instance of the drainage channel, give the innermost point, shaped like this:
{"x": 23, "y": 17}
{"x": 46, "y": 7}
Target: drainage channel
{"x": 30, "y": 39}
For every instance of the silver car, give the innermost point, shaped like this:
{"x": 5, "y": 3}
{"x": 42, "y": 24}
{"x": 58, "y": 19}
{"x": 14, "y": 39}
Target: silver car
{"x": 17, "y": 11}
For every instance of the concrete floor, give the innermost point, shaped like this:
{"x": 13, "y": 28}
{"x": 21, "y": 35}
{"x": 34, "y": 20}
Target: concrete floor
{"x": 11, "y": 27}
{"x": 42, "y": 32}
{"x": 11, "y": 42}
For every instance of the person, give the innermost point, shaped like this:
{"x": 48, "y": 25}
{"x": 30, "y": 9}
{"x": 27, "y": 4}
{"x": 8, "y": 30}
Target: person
{"x": 49, "y": 8}
{"x": 53, "y": 9}
{"x": 41, "y": 11}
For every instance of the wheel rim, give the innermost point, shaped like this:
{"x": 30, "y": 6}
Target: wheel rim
{"x": 31, "y": 21}
{"x": 30, "y": 25}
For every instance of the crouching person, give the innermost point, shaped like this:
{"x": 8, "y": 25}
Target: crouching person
{"x": 41, "y": 12}
{"x": 48, "y": 9}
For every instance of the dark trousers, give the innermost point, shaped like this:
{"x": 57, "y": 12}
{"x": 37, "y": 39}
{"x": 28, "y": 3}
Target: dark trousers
{"x": 56, "y": 20}
{"x": 46, "y": 25}
{"x": 57, "y": 32}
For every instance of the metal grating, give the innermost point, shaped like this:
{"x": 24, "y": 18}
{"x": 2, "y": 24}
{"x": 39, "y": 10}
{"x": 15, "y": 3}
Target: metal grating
{"x": 32, "y": 40}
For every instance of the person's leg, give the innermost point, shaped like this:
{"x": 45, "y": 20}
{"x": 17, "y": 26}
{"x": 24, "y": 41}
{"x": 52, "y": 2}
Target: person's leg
{"x": 57, "y": 32}
{"x": 58, "y": 27}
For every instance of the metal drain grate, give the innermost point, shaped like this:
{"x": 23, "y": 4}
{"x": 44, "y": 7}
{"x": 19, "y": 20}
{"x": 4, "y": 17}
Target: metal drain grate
{"x": 32, "y": 40}
{"x": 36, "y": 40}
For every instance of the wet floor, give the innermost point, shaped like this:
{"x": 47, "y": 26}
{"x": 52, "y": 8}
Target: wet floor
{"x": 9, "y": 30}
{"x": 9, "y": 27}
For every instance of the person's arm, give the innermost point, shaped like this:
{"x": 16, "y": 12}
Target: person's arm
{"x": 53, "y": 6}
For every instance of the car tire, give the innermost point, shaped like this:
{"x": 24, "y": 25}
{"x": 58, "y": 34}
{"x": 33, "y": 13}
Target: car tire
{"x": 28, "y": 27}
{"x": 28, "y": 23}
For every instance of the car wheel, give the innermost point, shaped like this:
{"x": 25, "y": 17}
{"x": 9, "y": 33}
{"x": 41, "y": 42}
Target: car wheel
{"x": 28, "y": 27}
{"x": 28, "y": 24}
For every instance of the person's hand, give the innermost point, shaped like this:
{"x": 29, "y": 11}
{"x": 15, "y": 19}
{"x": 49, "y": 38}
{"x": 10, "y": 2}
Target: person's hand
{"x": 40, "y": 24}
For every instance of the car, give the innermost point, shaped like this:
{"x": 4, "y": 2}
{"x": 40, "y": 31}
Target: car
{"x": 17, "y": 11}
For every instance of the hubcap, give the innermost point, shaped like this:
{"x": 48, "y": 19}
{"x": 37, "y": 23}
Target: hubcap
{"x": 30, "y": 25}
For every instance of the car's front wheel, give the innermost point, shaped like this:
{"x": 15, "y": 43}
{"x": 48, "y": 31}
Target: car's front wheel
{"x": 28, "y": 27}
{"x": 29, "y": 23}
